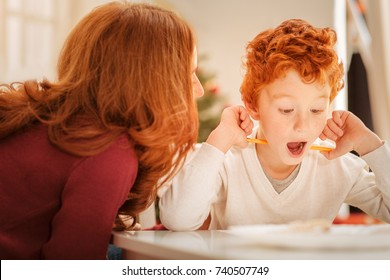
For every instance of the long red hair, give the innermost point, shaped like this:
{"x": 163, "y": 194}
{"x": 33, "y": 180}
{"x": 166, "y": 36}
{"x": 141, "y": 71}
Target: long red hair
{"x": 297, "y": 45}
{"x": 124, "y": 69}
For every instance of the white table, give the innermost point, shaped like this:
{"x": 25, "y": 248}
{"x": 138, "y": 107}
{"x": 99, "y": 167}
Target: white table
{"x": 219, "y": 244}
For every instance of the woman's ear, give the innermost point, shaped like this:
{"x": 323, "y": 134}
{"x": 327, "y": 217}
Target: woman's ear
{"x": 253, "y": 111}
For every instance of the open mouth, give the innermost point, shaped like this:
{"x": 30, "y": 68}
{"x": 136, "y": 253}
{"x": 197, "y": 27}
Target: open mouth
{"x": 296, "y": 148}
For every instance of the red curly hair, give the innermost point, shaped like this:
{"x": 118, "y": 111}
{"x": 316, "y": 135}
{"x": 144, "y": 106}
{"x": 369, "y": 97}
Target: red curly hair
{"x": 297, "y": 45}
{"x": 124, "y": 69}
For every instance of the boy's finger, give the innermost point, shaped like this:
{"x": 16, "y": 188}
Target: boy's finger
{"x": 322, "y": 136}
{"x": 336, "y": 117}
{"x": 329, "y": 134}
{"x": 334, "y": 127}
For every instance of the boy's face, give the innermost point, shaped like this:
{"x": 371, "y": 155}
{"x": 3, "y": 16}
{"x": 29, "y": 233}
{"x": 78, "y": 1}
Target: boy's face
{"x": 292, "y": 114}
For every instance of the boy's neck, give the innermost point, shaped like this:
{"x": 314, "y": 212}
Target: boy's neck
{"x": 272, "y": 166}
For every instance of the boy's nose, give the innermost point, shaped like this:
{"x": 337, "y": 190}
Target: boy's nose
{"x": 300, "y": 123}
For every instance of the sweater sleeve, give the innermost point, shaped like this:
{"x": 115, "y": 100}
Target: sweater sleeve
{"x": 372, "y": 189}
{"x": 95, "y": 190}
{"x": 185, "y": 205}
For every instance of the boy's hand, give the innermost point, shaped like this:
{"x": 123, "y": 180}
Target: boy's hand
{"x": 237, "y": 115}
{"x": 349, "y": 133}
{"x": 233, "y": 128}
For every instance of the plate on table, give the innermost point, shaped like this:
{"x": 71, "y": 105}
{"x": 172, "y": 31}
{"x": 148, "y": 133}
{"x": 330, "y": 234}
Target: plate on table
{"x": 332, "y": 237}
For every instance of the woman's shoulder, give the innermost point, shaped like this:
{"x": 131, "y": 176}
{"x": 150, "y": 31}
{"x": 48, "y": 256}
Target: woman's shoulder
{"x": 121, "y": 151}
{"x": 116, "y": 168}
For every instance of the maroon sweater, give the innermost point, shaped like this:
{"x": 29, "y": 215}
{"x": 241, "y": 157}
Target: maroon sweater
{"x": 57, "y": 206}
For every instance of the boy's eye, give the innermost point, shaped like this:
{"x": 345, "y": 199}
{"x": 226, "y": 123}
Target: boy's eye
{"x": 286, "y": 111}
{"x": 316, "y": 111}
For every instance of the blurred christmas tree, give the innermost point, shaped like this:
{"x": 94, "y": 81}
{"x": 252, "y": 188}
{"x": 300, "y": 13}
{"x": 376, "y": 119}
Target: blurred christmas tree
{"x": 210, "y": 105}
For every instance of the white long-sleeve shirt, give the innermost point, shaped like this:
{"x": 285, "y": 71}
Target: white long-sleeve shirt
{"x": 233, "y": 188}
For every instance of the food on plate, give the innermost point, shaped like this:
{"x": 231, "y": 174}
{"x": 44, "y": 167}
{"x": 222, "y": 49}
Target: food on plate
{"x": 318, "y": 225}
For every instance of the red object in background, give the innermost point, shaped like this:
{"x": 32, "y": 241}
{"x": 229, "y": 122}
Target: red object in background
{"x": 156, "y": 227}
{"x": 357, "y": 219}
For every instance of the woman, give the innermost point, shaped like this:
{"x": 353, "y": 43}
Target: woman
{"x": 81, "y": 152}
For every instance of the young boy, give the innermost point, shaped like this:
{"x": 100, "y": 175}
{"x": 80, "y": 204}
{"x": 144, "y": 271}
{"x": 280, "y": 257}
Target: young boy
{"x": 293, "y": 74}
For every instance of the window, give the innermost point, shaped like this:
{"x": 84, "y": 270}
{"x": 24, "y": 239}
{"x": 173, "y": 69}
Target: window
{"x": 27, "y": 49}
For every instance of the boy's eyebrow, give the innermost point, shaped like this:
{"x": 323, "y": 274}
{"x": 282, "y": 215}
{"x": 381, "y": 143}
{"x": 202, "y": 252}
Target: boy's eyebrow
{"x": 287, "y": 95}
{"x": 281, "y": 95}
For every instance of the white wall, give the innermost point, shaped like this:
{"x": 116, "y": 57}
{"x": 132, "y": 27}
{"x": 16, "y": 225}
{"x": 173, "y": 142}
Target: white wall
{"x": 224, "y": 27}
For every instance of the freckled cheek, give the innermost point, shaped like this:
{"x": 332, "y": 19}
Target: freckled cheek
{"x": 277, "y": 130}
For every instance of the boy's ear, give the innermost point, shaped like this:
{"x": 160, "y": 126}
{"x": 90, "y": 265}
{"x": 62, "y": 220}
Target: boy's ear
{"x": 253, "y": 111}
